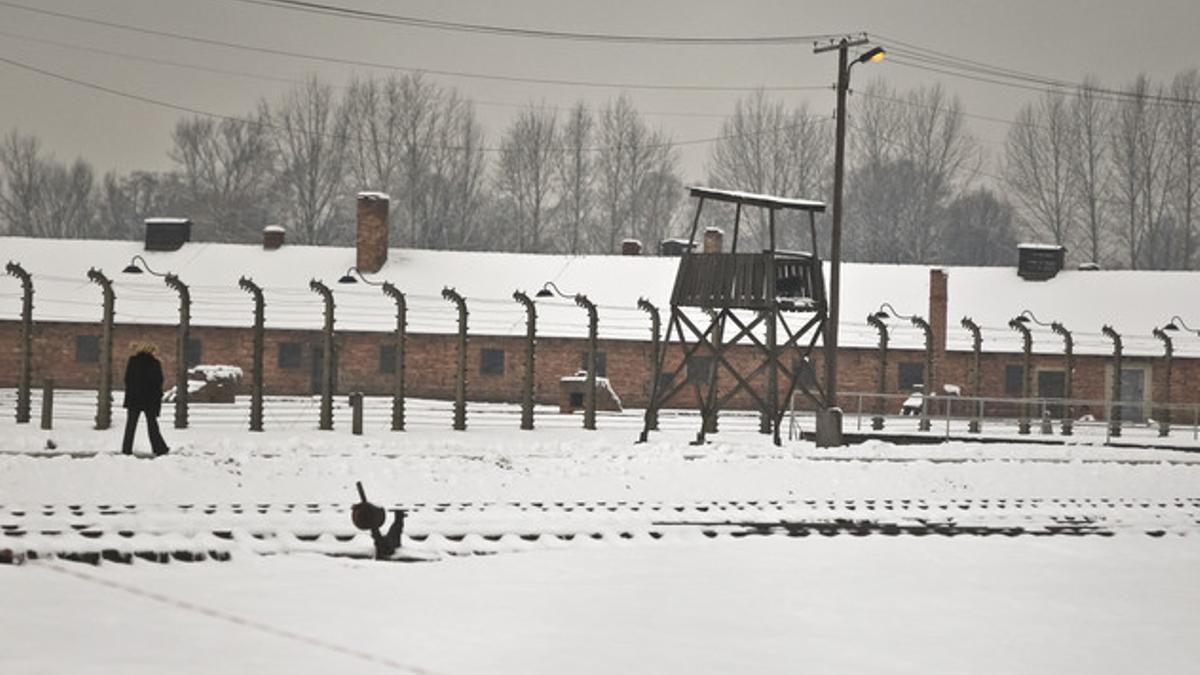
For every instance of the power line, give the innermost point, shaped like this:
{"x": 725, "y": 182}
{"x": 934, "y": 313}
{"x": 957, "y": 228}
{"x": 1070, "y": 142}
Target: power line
{"x": 327, "y": 9}
{"x": 410, "y": 69}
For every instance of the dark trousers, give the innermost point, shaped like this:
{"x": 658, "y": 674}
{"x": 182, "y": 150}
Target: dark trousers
{"x": 156, "y": 440}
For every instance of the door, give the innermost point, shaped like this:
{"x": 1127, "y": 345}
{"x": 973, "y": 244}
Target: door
{"x": 1052, "y": 384}
{"x": 1133, "y": 393}
{"x": 318, "y": 368}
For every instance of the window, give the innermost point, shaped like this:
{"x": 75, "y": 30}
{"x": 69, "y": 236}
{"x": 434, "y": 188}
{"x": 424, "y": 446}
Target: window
{"x": 699, "y": 369}
{"x": 387, "y": 359}
{"x": 1014, "y": 380}
{"x": 491, "y": 362}
{"x": 910, "y": 375}
{"x": 87, "y": 349}
{"x": 290, "y": 355}
{"x": 601, "y": 363}
{"x": 195, "y": 350}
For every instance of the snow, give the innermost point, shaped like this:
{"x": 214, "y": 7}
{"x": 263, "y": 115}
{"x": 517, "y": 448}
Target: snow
{"x": 737, "y": 195}
{"x": 216, "y": 372}
{"x": 167, "y": 221}
{"x": 685, "y": 603}
{"x": 1082, "y": 301}
{"x": 1041, "y": 247}
{"x": 274, "y": 228}
{"x": 374, "y": 195}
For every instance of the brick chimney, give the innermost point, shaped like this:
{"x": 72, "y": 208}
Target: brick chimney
{"x": 714, "y": 240}
{"x": 631, "y": 247}
{"x": 372, "y": 231}
{"x": 938, "y": 300}
{"x": 273, "y": 236}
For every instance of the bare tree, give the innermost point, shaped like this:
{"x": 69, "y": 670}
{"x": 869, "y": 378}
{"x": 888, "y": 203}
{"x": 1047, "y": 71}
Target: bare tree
{"x": 125, "y": 202}
{"x": 1090, "y": 117}
{"x": 41, "y": 197}
{"x": 458, "y": 179}
{"x": 575, "y": 178}
{"x": 375, "y": 114}
{"x": 1140, "y": 162}
{"x": 767, "y": 149}
{"x": 226, "y": 168}
{"x": 309, "y": 131}
{"x": 979, "y": 230}
{"x": 1038, "y": 166}
{"x": 525, "y": 175}
{"x": 1184, "y": 131}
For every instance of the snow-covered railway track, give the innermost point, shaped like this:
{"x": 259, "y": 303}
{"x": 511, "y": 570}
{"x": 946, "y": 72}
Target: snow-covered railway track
{"x": 199, "y": 531}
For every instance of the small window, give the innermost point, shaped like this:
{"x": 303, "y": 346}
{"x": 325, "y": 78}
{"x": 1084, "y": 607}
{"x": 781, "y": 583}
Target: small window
{"x": 387, "y": 359}
{"x": 491, "y": 362}
{"x": 699, "y": 369}
{"x": 911, "y": 375}
{"x": 195, "y": 352}
{"x": 601, "y": 363}
{"x": 1014, "y": 380}
{"x": 87, "y": 349}
{"x": 290, "y": 355}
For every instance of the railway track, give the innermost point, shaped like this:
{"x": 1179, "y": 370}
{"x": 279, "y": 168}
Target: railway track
{"x": 219, "y": 531}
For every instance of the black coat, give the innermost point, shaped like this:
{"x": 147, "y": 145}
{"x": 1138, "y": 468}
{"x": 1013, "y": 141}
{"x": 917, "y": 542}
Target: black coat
{"x": 143, "y": 384}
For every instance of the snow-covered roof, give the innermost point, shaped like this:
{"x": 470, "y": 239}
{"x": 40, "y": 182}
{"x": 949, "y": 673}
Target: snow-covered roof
{"x": 374, "y": 195}
{"x": 767, "y": 201}
{"x": 1133, "y": 302}
{"x": 274, "y": 228}
{"x": 167, "y": 221}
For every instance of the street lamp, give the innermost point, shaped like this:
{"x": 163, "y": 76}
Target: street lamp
{"x": 921, "y": 323}
{"x": 136, "y": 265}
{"x": 834, "y": 436}
{"x": 546, "y": 292}
{"x": 351, "y": 273}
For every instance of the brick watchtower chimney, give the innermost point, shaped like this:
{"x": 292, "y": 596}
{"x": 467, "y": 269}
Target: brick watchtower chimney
{"x": 372, "y": 231}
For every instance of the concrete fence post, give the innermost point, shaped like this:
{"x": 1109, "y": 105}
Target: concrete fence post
{"x": 25, "y": 369}
{"x": 398, "y": 383}
{"x": 256, "y": 361}
{"x": 527, "y": 377}
{"x": 651, "y": 420}
{"x": 589, "y": 392}
{"x": 976, "y": 375}
{"x": 104, "y": 399}
{"x": 327, "y": 379}
{"x": 1114, "y": 420}
{"x": 460, "y": 379}
{"x": 181, "y": 349}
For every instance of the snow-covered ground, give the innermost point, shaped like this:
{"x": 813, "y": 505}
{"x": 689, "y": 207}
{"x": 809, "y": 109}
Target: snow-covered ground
{"x": 566, "y": 551}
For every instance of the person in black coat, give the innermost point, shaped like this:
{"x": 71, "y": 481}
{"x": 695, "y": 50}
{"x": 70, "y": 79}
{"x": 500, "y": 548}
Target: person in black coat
{"x": 143, "y": 395}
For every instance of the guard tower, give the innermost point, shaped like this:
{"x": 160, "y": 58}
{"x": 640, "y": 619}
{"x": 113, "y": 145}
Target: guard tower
{"x": 743, "y": 298}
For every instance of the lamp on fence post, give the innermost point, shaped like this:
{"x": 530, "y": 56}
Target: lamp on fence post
{"x": 976, "y": 371}
{"x": 256, "y": 362}
{"x": 136, "y": 265}
{"x": 25, "y": 374}
{"x": 527, "y": 381}
{"x": 651, "y": 420}
{"x": 326, "y": 419}
{"x": 921, "y": 323}
{"x": 1114, "y": 419}
{"x": 401, "y": 336}
{"x": 876, "y": 320}
{"x": 460, "y": 386}
{"x": 104, "y": 400}
{"x": 1068, "y": 366}
{"x": 1018, "y": 324}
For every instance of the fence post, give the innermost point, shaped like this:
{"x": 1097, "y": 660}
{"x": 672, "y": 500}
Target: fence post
{"x": 356, "y": 416}
{"x": 398, "y": 393}
{"x": 1068, "y": 422}
{"x": 976, "y": 376}
{"x": 327, "y": 381}
{"x": 181, "y": 350}
{"x": 460, "y": 386}
{"x": 25, "y": 375}
{"x": 1027, "y": 371}
{"x": 930, "y": 394}
{"x": 651, "y": 421}
{"x": 1164, "y": 418}
{"x": 1114, "y": 420}
{"x": 876, "y": 320}
{"x": 256, "y": 361}
{"x": 47, "y": 403}
{"x": 589, "y": 392}
{"x": 527, "y": 380}
{"x": 104, "y": 399}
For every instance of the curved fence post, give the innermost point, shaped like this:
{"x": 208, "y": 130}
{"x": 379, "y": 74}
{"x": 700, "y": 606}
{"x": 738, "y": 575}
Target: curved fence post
{"x": 1027, "y": 374}
{"x": 1114, "y": 420}
{"x": 1068, "y": 422}
{"x": 927, "y": 399}
{"x": 460, "y": 380}
{"x": 181, "y": 349}
{"x": 256, "y": 362}
{"x": 527, "y": 393}
{"x": 1164, "y": 416}
{"x": 25, "y": 374}
{"x": 327, "y": 380}
{"x": 104, "y": 400}
{"x": 401, "y": 338}
{"x": 589, "y": 392}
{"x": 877, "y": 420}
{"x": 976, "y": 371}
{"x": 651, "y": 419}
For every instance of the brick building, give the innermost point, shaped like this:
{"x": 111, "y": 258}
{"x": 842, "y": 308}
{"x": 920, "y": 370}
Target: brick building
{"x": 67, "y": 312}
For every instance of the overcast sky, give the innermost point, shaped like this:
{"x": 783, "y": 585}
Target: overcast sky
{"x": 1064, "y": 39}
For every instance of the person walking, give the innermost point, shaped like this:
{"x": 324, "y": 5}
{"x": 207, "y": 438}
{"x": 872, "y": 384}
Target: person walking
{"x": 143, "y": 395}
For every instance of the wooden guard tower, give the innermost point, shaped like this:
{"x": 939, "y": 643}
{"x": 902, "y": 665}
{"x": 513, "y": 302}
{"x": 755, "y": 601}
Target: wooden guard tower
{"x": 747, "y": 297}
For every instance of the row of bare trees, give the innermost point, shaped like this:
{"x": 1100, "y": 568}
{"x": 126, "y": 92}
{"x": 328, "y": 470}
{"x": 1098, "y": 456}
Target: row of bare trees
{"x": 1113, "y": 174}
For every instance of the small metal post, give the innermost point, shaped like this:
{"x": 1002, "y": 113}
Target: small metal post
{"x": 651, "y": 420}
{"x": 976, "y": 376}
{"x": 589, "y": 393}
{"x": 181, "y": 346}
{"x": 398, "y": 384}
{"x": 47, "y": 403}
{"x": 1114, "y": 419}
{"x": 460, "y": 386}
{"x": 327, "y": 381}
{"x": 356, "y": 413}
{"x": 527, "y": 379}
{"x": 25, "y": 374}
{"x": 104, "y": 399}
{"x": 256, "y": 362}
